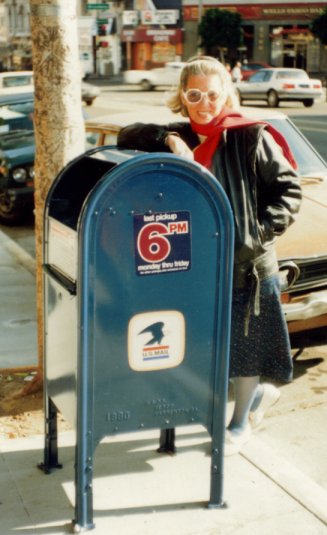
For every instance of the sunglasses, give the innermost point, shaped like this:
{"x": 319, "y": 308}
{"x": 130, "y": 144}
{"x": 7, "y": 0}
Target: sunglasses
{"x": 194, "y": 96}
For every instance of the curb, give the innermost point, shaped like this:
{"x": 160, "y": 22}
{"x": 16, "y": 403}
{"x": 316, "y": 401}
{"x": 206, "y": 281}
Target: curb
{"x": 288, "y": 477}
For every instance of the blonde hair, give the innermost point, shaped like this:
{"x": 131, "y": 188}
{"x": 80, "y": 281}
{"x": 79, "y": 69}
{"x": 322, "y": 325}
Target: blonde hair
{"x": 204, "y": 65}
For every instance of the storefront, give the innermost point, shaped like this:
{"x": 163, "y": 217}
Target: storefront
{"x": 151, "y": 37}
{"x": 278, "y": 33}
{"x": 148, "y": 48}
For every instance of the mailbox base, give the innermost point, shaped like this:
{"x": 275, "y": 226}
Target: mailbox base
{"x": 77, "y": 528}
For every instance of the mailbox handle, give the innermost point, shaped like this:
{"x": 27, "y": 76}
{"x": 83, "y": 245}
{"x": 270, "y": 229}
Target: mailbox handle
{"x": 59, "y": 277}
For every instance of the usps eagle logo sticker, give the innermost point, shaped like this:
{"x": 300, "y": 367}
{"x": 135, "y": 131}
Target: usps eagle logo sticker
{"x": 156, "y": 340}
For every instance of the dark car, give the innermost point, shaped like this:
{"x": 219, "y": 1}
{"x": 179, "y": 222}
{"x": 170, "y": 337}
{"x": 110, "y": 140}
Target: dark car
{"x": 17, "y": 153}
{"x": 17, "y": 150}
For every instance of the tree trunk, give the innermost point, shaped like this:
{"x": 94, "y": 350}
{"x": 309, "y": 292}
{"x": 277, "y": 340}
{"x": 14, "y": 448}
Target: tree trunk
{"x": 58, "y": 120}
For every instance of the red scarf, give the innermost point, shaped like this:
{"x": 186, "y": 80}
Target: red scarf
{"x": 226, "y": 120}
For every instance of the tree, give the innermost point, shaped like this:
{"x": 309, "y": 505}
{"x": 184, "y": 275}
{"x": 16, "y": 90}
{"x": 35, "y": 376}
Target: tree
{"x": 319, "y": 27}
{"x": 58, "y": 120}
{"x": 219, "y": 30}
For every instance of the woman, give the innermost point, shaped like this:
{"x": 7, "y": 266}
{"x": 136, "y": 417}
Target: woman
{"x": 253, "y": 163}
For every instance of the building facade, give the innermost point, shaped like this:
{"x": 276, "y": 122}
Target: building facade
{"x": 275, "y": 32}
{"x": 143, "y": 34}
{"x": 152, "y": 33}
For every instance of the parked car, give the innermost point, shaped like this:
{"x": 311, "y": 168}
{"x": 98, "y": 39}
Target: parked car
{"x": 12, "y": 82}
{"x": 280, "y": 84}
{"x": 149, "y": 79}
{"x": 17, "y": 150}
{"x": 302, "y": 250}
{"x": 251, "y": 67}
{"x": 89, "y": 93}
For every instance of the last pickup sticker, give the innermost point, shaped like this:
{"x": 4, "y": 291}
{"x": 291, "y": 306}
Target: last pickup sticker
{"x": 162, "y": 242}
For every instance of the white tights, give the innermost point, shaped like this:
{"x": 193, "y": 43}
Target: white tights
{"x": 247, "y": 393}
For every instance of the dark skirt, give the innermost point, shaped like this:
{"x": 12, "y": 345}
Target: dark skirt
{"x": 265, "y": 351}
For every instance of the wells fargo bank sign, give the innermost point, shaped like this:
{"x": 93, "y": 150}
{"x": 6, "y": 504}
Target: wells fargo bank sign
{"x": 263, "y": 12}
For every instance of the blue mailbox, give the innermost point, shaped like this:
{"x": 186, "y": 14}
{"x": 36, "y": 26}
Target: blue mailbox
{"x": 138, "y": 263}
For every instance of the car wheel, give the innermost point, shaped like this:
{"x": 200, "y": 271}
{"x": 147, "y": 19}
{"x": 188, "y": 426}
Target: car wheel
{"x": 272, "y": 99}
{"x": 89, "y": 101}
{"x": 9, "y": 213}
{"x": 146, "y": 85}
{"x": 308, "y": 102}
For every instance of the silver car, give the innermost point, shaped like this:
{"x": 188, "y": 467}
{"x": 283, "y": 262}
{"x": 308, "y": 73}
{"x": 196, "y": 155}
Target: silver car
{"x": 275, "y": 85}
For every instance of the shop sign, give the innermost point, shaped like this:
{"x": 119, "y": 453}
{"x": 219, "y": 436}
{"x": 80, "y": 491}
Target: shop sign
{"x": 102, "y": 7}
{"x": 130, "y": 18}
{"x": 257, "y": 12}
{"x": 160, "y": 16}
{"x": 142, "y": 35}
{"x": 291, "y": 11}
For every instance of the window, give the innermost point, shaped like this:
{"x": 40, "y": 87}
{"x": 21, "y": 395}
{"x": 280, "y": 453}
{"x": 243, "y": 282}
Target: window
{"x": 13, "y": 81}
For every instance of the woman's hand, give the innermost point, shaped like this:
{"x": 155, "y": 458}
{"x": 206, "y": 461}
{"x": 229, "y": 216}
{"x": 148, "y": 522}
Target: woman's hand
{"x": 178, "y": 146}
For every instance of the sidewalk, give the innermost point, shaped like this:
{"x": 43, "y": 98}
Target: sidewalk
{"x": 277, "y": 485}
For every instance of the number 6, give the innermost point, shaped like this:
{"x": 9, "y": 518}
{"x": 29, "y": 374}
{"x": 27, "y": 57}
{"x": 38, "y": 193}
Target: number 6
{"x": 152, "y": 245}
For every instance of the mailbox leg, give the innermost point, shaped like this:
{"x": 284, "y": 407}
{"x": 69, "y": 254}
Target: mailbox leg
{"x": 51, "y": 438}
{"x": 216, "y": 481}
{"x": 83, "y": 487}
{"x": 167, "y": 441}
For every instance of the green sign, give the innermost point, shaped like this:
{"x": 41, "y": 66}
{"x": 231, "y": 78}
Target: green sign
{"x": 97, "y": 6}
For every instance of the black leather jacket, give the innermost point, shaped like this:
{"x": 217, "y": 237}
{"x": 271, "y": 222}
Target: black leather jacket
{"x": 262, "y": 187}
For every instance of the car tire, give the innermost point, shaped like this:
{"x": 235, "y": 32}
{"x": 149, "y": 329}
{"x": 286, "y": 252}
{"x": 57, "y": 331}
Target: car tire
{"x": 146, "y": 85}
{"x": 10, "y": 214}
{"x": 308, "y": 102}
{"x": 272, "y": 99}
{"x": 89, "y": 101}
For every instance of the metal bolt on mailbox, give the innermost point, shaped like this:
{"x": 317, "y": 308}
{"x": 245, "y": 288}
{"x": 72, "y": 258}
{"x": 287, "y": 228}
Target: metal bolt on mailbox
{"x": 138, "y": 262}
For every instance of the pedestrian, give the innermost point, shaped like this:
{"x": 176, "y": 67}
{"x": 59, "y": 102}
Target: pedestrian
{"x": 237, "y": 72}
{"x": 228, "y": 68}
{"x": 254, "y": 165}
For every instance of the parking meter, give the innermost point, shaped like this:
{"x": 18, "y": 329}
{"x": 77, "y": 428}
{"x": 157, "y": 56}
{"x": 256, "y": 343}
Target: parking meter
{"x": 138, "y": 263}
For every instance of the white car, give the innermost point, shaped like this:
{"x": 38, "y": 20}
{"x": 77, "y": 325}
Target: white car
{"x": 168, "y": 75}
{"x": 16, "y": 82}
{"x": 280, "y": 84}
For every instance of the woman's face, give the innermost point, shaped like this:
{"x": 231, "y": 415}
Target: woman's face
{"x": 208, "y": 107}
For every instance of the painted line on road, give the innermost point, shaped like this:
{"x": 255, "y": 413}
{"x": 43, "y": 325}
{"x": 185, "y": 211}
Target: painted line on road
{"x": 289, "y": 478}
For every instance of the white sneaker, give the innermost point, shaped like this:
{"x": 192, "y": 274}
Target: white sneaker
{"x": 235, "y": 442}
{"x": 271, "y": 395}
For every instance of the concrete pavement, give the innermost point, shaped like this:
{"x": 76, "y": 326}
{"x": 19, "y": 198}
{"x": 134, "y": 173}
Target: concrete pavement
{"x": 277, "y": 485}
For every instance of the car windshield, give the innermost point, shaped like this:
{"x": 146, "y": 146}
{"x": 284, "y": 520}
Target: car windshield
{"x": 308, "y": 160}
{"x": 16, "y": 140}
{"x": 14, "y": 81}
{"x": 16, "y": 116}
